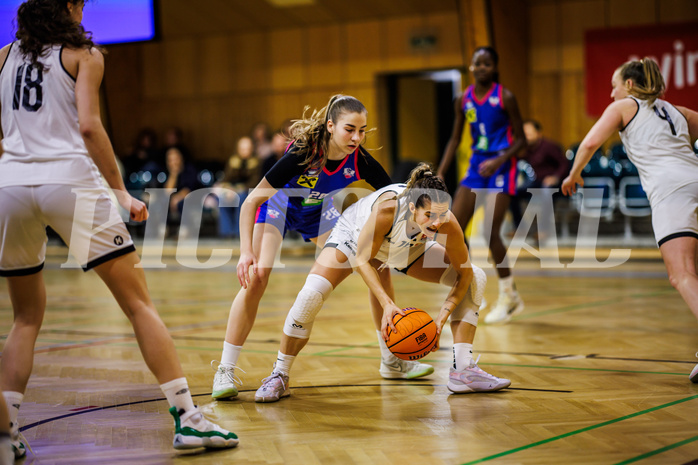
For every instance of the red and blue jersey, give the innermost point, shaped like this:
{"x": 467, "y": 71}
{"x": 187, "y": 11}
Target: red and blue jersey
{"x": 309, "y": 208}
{"x": 490, "y": 128}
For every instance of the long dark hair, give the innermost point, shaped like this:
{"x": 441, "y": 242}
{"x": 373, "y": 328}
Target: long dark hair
{"x": 48, "y": 22}
{"x": 311, "y": 133}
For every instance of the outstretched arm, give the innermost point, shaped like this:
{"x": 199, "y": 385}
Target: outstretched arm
{"x": 370, "y": 240}
{"x": 610, "y": 121}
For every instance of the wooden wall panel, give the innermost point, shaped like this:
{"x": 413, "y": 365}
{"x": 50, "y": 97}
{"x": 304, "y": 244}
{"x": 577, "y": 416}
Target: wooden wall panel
{"x": 511, "y": 41}
{"x": 575, "y": 18}
{"x": 364, "y": 51}
{"x": 251, "y": 55}
{"x": 325, "y": 56}
{"x": 544, "y": 102}
{"x": 677, "y": 10}
{"x": 288, "y": 59}
{"x": 448, "y": 52}
{"x": 181, "y": 68}
{"x": 153, "y": 78}
{"x": 217, "y": 69}
{"x": 544, "y": 38}
{"x": 631, "y": 12}
{"x": 397, "y": 34}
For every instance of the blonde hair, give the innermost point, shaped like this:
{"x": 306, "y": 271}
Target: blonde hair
{"x": 648, "y": 82}
{"x": 424, "y": 186}
{"x": 311, "y": 133}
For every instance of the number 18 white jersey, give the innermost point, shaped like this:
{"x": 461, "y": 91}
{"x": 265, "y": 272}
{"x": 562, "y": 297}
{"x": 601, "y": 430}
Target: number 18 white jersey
{"x": 658, "y": 143}
{"x": 42, "y": 143}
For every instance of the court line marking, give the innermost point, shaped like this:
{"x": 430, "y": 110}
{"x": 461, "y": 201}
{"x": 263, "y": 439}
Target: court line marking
{"x": 343, "y": 347}
{"x": 579, "y": 431}
{"x": 413, "y": 383}
{"x": 659, "y": 451}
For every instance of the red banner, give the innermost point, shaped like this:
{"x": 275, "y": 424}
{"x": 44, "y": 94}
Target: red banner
{"x": 673, "y": 46}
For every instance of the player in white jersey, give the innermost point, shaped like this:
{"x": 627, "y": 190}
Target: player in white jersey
{"x": 54, "y": 147}
{"x": 658, "y": 138}
{"x": 394, "y": 226}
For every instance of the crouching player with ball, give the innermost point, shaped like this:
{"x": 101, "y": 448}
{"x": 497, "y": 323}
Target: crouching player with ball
{"x": 394, "y": 227}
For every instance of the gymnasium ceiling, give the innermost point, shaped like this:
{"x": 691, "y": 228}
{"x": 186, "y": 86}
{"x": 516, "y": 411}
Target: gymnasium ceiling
{"x": 187, "y": 18}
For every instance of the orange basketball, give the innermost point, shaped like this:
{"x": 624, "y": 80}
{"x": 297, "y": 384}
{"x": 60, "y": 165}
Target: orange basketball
{"x": 415, "y": 337}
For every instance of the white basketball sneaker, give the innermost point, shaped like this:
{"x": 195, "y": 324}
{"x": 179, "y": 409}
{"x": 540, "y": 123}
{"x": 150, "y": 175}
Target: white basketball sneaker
{"x": 224, "y": 382}
{"x": 474, "y": 379}
{"x": 395, "y": 368}
{"x": 694, "y": 373}
{"x": 274, "y": 387}
{"x": 507, "y": 306}
{"x": 193, "y": 430}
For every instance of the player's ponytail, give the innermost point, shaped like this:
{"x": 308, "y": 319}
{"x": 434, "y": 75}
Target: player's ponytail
{"x": 648, "y": 82}
{"x": 310, "y": 133}
{"x": 424, "y": 185}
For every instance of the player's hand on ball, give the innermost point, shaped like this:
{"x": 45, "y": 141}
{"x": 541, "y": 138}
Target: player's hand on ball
{"x": 387, "y": 324}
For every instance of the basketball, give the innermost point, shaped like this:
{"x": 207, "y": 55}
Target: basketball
{"x": 415, "y": 337}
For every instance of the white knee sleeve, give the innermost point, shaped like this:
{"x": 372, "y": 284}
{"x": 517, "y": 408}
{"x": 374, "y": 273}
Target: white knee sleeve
{"x": 469, "y": 308}
{"x": 299, "y": 321}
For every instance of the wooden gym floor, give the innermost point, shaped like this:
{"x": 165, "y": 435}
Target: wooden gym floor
{"x": 598, "y": 362}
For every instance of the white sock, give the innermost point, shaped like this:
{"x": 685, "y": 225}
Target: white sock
{"x": 283, "y": 363}
{"x": 230, "y": 355}
{"x": 13, "y": 400}
{"x": 178, "y": 395}
{"x": 386, "y": 354}
{"x": 462, "y": 355}
{"x": 507, "y": 285}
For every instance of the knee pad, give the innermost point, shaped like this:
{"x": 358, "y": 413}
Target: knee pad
{"x": 299, "y": 321}
{"x": 469, "y": 309}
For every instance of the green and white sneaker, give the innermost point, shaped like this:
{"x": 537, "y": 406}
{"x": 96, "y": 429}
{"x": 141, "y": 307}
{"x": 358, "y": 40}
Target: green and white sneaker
{"x": 404, "y": 369}
{"x": 17, "y": 447}
{"x": 224, "y": 381}
{"x": 193, "y": 430}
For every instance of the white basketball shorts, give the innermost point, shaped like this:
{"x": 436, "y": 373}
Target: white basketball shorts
{"x": 676, "y": 215}
{"x": 85, "y": 218}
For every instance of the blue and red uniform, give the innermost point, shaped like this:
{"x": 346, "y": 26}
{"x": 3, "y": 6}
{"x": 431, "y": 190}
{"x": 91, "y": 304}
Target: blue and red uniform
{"x": 309, "y": 210}
{"x": 491, "y": 133}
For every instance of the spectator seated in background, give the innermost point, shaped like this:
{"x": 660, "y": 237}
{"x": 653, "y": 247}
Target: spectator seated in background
{"x": 549, "y": 165}
{"x": 143, "y": 164}
{"x": 242, "y": 173}
{"x": 261, "y": 138}
{"x": 181, "y": 176}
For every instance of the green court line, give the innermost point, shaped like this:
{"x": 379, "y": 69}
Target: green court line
{"x": 579, "y": 431}
{"x": 658, "y": 451}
